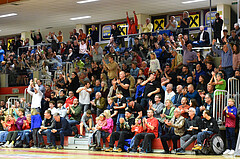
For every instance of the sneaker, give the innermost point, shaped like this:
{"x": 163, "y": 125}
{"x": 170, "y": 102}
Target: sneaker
{"x": 226, "y": 152}
{"x": 76, "y": 136}
{"x": 33, "y": 147}
{"x": 109, "y": 149}
{"x": 118, "y": 150}
{"x": 199, "y": 147}
{"x": 129, "y": 149}
{"x": 181, "y": 152}
{"x": 231, "y": 152}
{"x": 80, "y": 136}
{"x": 42, "y": 146}
{"x": 48, "y": 146}
{"x": 139, "y": 150}
{"x": 133, "y": 150}
{"x": 5, "y": 145}
{"x": 10, "y": 145}
{"x": 93, "y": 145}
{"x": 91, "y": 131}
{"x": 60, "y": 147}
{"x": 98, "y": 148}
{"x": 26, "y": 146}
{"x": 174, "y": 151}
{"x": 52, "y": 147}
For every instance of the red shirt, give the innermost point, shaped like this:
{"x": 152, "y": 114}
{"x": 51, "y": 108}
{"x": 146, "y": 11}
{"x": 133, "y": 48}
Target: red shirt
{"x": 137, "y": 129}
{"x": 13, "y": 126}
{"x": 132, "y": 27}
{"x": 183, "y": 112}
{"x": 153, "y": 122}
{"x": 69, "y": 101}
{"x": 146, "y": 71}
{"x": 26, "y": 126}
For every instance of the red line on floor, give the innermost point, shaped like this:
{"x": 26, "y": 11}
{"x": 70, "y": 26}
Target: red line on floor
{"x": 96, "y": 154}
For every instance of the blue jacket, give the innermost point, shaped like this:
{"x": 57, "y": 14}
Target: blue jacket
{"x": 1, "y": 55}
{"x": 139, "y": 91}
{"x": 64, "y": 125}
{"x": 177, "y": 99}
{"x": 194, "y": 95}
{"x": 36, "y": 121}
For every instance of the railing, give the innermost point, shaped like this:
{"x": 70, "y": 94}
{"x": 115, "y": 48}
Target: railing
{"x": 11, "y": 101}
{"x": 40, "y": 44}
{"x": 69, "y": 68}
{"x": 27, "y": 96}
{"x": 219, "y": 102}
{"x": 48, "y": 82}
{"x": 233, "y": 90}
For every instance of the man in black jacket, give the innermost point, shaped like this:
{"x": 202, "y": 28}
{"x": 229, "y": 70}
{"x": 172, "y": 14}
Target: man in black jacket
{"x": 202, "y": 37}
{"x": 217, "y": 27}
{"x": 193, "y": 126}
{"x": 137, "y": 110}
{"x": 125, "y": 133}
{"x": 63, "y": 128}
{"x": 209, "y": 127}
{"x": 36, "y": 38}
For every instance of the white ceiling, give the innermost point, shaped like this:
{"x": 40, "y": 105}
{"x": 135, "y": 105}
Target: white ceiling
{"x": 34, "y": 14}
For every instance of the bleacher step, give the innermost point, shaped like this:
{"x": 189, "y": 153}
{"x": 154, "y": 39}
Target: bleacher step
{"x": 77, "y": 143}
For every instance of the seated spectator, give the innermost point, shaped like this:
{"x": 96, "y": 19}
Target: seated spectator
{"x": 61, "y": 109}
{"x": 69, "y": 100}
{"x": 209, "y": 127}
{"x": 10, "y": 126}
{"x": 151, "y": 126}
{"x": 99, "y": 103}
{"x": 192, "y": 94}
{"x": 62, "y": 128}
{"x": 182, "y": 77}
{"x": 73, "y": 83}
{"x": 87, "y": 122}
{"x": 193, "y": 126}
{"x": 75, "y": 111}
{"x": 178, "y": 96}
{"x": 104, "y": 89}
{"x": 233, "y": 39}
{"x": 136, "y": 58}
{"x": 169, "y": 93}
{"x": 96, "y": 136}
{"x": 154, "y": 63}
{"x": 202, "y": 37}
{"x": 124, "y": 133}
{"x": 177, "y": 62}
{"x": 196, "y": 74}
{"x": 202, "y": 85}
{"x": 168, "y": 111}
{"x": 134, "y": 70}
{"x": 176, "y": 130}
{"x": 145, "y": 68}
{"x": 157, "y": 51}
{"x": 47, "y": 125}
{"x": 184, "y": 108}
{"x": 157, "y": 107}
{"x": 113, "y": 89}
{"x": 137, "y": 110}
{"x": 132, "y": 80}
{"x": 52, "y": 107}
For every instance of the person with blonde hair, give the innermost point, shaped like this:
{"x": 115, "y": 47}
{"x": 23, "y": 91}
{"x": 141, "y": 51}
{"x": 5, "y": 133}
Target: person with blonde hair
{"x": 154, "y": 63}
{"x": 36, "y": 123}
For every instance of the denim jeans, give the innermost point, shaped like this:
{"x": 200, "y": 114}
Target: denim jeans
{"x": 118, "y": 123}
{"x": 230, "y": 135}
{"x": 40, "y": 134}
{"x": 26, "y": 136}
{"x": 62, "y": 133}
{"x": 130, "y": 41}
{"x": 3, "y": 136}
{"x": 202, "y": 136}
{"x": 73, "y": 122}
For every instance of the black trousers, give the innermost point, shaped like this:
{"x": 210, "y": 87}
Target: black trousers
{"x": 119, "y": 136}
{"x": 148, "y": 137}
{"x": 169, "y": 136}
{"x": 12, "y": 135}
{"x": 34, "y": 135}
{"x": 217, "y": 35}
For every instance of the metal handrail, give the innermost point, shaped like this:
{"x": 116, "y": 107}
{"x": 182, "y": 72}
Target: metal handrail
{"x": 233, "y": 90}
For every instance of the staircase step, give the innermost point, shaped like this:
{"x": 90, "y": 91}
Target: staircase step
{"x": 79, "y": 147}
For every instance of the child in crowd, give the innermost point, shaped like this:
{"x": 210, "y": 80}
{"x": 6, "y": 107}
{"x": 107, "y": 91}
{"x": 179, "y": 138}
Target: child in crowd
{"x": 9, "y": 125}
{"x": 230, "y": 112}
{"x": 137, "y": 128}
{"x": 36, "y": 123}
{"x": 87, "y": 122}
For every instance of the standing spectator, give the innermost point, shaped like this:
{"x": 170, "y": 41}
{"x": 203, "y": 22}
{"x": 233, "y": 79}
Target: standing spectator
{"x": 97, "y": 52}
{"x": 111, "y": 68}
{"x": 139, "y": 89}
{"x": 172, "y": 25}
{"x": 176, "y": 130}
{"x": 184, "y": 23}
{"x": 36, "y": 96}
{"x": 36, "y": 122}
{"x": 123, "y": 84}
{"x": 236, "y": 57}
{"x": 84, "y": 96}
{"x": 189, "y": 56}
{"x": 2, "y": 54}
{"x": 154, "y": 63}
{"x": 73, "y": 83}
{"x": 94, "y": 35}
{"x": 82, "y": 36}
{"x": 132, "y": 28}
{"x": 148, "y": 27}
{"x": 230, "y": 112}
{"x": 217, "y": 27}
{"x": 177, "y": 63}
{"x": 36, "y": 38}
{"x": 120, "y": 106}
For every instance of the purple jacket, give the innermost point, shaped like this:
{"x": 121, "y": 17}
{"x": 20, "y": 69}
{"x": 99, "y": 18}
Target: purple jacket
{"x": 109, "y": 126}
{"x": 19, "y": 122}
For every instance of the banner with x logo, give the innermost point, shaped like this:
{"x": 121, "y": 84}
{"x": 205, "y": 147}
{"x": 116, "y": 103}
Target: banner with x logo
{"x": 194, "y": 20}
{"x": 159, "y": 24}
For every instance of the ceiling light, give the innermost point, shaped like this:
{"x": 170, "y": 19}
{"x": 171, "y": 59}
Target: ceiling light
{"x": 83, "y": 17}
{"x": 86, "y": 1}
{"x": 193, "y": 1}
{"x": 8, "y": 15}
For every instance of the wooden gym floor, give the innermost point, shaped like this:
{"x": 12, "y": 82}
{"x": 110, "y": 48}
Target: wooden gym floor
{"x": 81, "y": 154}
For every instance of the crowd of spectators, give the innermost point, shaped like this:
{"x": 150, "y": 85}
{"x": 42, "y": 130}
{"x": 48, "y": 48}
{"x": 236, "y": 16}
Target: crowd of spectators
{"x": 147, "y": 90}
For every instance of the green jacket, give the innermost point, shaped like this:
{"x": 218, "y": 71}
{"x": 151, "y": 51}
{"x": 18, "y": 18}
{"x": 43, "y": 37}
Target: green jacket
{"x": 169, "y": 117}
{"x": 102, "y": 103}
{"x": 77, "y": 115}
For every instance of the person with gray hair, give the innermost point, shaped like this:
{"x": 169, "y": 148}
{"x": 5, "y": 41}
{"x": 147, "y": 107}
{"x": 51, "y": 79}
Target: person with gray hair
{"x": 202, "y": 38}
{"x": 99, "y": 102}
{"x": 184, "y": 23}
{"x": 169, "y": 93}
{"x": 148, "y": 27}
{"x": 62, "y": 128}
{"x": 193, "y": 126}
{"x": 237, "y": 29}
{"x": 176, "y": 130}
